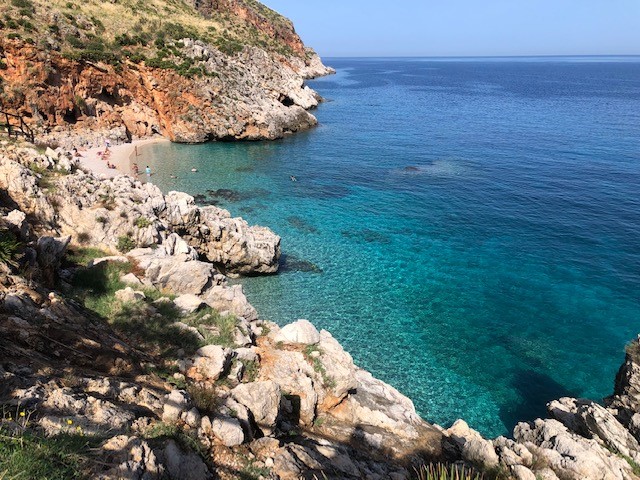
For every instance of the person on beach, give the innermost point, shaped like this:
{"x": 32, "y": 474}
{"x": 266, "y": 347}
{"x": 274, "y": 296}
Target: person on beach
{"x": 148, "y": 171}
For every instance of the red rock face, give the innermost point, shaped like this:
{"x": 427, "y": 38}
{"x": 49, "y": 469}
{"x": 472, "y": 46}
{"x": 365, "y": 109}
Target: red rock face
{"x": 239, "y": 100}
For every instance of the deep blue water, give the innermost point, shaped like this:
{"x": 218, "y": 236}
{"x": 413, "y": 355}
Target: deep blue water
{"x": 468, "y": 229}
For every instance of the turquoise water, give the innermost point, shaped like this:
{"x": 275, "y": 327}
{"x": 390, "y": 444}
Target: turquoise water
{"x": 469, "y": 230}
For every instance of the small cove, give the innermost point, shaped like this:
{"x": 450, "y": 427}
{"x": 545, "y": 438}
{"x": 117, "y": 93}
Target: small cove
{"x": 468, "y": 230}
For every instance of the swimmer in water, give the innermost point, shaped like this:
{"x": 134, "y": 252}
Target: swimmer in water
{"x": 293, "y": 179}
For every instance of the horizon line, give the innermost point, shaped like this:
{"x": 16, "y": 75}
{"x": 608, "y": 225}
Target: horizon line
{"x": 603, "y": 55}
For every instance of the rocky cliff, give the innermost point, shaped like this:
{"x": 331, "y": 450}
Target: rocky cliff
{"x": 193, "y": 72}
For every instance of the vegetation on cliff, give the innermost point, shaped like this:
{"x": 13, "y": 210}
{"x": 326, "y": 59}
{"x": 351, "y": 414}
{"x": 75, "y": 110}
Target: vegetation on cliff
{"x": 190, "y": 70}
{"x": 112, "y": 32}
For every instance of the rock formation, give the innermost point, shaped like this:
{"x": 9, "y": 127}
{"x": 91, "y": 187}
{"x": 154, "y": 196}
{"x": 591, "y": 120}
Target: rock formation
{"x": 234, "y": 70}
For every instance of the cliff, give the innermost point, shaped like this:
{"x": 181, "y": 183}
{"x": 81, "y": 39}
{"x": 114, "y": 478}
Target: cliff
{"x": 193, "y": 72}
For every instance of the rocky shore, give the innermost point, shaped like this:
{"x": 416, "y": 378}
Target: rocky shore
{"x": 118, "y": 323}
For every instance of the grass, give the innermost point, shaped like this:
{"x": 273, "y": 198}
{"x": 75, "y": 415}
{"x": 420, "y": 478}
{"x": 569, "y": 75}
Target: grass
{"x": 439, "y": 471}
{"x": 164, "y": 431}
{"x": 142, "y": 222}
{"x": 9, "y": 247}
{"x": 317, "y": 365}
{"x": 28, "y": 455}
{"x": 223, "y": 326}
{"x": 251, "y": 370}
{"x": 83, "y": 255}
{"x": 150, "y": 325}
{"x": 203, "y": 398}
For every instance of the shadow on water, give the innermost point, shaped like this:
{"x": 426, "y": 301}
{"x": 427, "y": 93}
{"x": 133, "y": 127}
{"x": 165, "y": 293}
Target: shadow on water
{"x": 535, "y": 390}
{"x": 366, "y": 235}
{"x": 291, "y": 263}
{"x": 301, "y": 224}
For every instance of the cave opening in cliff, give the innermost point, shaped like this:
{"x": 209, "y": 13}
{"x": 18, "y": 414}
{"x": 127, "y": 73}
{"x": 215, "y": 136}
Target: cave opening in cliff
{"x": 70, "y": 116}
{"x": 287, "y": 101}
{"x": 109, "y": 98}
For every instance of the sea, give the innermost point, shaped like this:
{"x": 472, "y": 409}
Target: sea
{"x": 468, "y": 228}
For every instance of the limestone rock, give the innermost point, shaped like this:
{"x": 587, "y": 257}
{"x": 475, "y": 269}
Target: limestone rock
{"x": 132, "y": 458}
{"x": 189, "y": 303}
{"x": 301, "y": 331}
{"x": 228, "y": 430}
{"x": 210, "y": 363}
{"x": 293, "y": 374}
{"x": 129, "y": 295}
{"x": 474, "y": 448}
{"x": 592, "y": 420}
{"x": 176, "y": 403}
{"x": 184, "y": 466}
{"x": 262, "y": 399}
{"x": 50, "y": 253}
{"x": 570, "y": 455}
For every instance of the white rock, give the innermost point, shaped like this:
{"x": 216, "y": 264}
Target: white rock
{"x": 228, "y": 431}
{"x": 301, "y": 331}
{"x": 189, "y": 303}
{"x": 176, "y": 403}
{"x": 210, "y": 362}
{"x": 129, "y": 295}
{"x": 262, "y": 399}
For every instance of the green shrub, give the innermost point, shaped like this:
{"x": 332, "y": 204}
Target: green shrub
{"x": 441, "y": 471}
{"x": 142, "y": 222}
{"x": 125, "y": 243}
{"x": 9, "y": 246}
{"x": 23, "y": 4}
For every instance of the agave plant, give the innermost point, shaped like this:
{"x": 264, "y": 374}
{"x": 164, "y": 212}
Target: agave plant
{"x": 9, "y": 246}
{"x": 440, "y": 471}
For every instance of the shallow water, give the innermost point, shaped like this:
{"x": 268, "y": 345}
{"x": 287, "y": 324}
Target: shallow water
{"x": 469, "y": 230}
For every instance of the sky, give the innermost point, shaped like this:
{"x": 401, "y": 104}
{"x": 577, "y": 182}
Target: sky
{"x": 338, "y": 28}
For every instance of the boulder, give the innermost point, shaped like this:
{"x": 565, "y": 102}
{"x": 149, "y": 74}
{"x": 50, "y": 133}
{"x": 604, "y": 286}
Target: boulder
{"x": 184, "y": 466}
{"x": 129, "y": 295}
{"x": 189, "y": 303}
{"x": 176, "y": 403}
{"x": 210, "y": 363}
{"x": 130, "y": 458}
{"x": 301, "y": 331}
{"x": 262, "y": 399}
{"x": 50, "y": 254}
{"x": 228, "y": 431}
{"x": 474, "y": 448}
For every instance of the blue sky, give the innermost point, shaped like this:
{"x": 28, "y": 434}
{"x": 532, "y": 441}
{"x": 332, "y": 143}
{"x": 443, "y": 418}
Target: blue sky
{"x": 466, "y": 27}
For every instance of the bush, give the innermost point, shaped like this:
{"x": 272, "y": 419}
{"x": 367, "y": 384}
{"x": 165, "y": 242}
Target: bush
{"x": 125, "y": 243}
{"x": 9, "y": 246}
{"x": 440, "y": 471}
{"x": 23, "y": 4}
{"x": 142, "y": 222}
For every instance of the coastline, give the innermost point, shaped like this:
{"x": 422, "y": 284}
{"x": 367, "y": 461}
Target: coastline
{"x": 121, "y": 156}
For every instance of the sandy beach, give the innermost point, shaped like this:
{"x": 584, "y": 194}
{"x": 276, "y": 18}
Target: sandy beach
{"x": 122, "y": 156}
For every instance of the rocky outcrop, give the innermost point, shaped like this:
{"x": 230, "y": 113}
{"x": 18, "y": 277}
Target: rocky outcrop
{"x": 253, "y": 95}
{"x": 583, "y": 440}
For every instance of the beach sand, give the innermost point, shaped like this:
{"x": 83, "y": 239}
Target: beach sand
{"x": 122, "y": 156}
